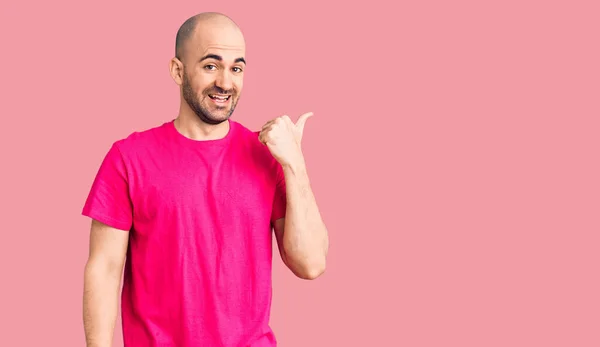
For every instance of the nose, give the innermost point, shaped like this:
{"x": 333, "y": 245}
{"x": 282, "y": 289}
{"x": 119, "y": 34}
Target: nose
{"x": 224, "y": 81}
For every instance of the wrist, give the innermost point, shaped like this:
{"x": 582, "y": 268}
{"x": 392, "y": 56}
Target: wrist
{"x": 296, "y": 165}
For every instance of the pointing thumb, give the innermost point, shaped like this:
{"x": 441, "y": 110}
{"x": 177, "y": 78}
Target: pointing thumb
{"x": 302, "y": 121}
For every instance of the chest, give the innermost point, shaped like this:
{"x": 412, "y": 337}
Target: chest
{"x": 227, "y": 188}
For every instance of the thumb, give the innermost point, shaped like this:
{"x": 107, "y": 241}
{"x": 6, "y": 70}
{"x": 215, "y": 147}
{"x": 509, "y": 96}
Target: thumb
{"x": 302, "y": 121}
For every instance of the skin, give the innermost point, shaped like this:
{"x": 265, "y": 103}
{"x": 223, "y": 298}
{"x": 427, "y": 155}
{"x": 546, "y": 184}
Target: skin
{"x": 102, "y": 280}
{"x": 302, "y": 236}
{"x": 210, "y": 63}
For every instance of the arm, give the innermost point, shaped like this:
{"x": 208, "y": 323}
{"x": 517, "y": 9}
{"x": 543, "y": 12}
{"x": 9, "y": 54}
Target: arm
{"x": 102, "y": 281}
{"x": 302, "y": 237}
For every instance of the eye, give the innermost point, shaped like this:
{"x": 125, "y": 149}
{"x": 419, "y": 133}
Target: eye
{"x": 237, "y": 69}
{"x": 208, "y": 67}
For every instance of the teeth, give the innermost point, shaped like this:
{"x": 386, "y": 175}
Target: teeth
{"x": 220, "y": 97}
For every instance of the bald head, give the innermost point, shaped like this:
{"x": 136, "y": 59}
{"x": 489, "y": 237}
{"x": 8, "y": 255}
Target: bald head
{"x": 202, "y": 24}
{"x": 209, "y": 66}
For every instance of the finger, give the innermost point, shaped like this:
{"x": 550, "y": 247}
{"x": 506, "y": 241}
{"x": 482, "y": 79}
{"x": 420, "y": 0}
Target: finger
{"x": 269, "y": 123}
{"x": 302, "y": 121}
{"x": 267, "y": 128}
{"x": 263, "y": 136}
{"x": 275, "y": 120}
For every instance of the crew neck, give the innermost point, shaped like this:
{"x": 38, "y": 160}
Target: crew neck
{"x": 191, "y": 142}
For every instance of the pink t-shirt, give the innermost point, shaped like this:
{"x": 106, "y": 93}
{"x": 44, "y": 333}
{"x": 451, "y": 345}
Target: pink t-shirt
{"x": 198, "y": 213}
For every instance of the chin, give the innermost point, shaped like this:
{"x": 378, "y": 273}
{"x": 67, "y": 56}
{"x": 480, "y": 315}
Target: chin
{"x": 214, "y": 119}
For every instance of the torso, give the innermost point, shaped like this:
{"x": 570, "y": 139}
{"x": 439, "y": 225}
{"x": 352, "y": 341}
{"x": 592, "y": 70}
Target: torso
{"x": 199, "y": 264}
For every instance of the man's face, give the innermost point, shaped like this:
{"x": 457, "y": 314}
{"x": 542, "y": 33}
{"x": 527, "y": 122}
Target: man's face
{"x": 213, "y": 74}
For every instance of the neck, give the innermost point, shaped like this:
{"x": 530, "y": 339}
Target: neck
{"x": 191, "y": 126}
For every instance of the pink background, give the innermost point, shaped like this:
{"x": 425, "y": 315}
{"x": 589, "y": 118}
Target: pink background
{"x": 453, "y": 152}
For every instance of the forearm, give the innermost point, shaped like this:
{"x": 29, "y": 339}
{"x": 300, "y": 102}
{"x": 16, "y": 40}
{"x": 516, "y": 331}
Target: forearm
{"x": 100, "y": 303}
{"x": 305, "y": 240}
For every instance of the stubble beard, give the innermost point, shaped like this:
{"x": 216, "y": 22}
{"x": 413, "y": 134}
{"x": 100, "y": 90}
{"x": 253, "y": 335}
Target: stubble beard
{"x": 202, "y": 112}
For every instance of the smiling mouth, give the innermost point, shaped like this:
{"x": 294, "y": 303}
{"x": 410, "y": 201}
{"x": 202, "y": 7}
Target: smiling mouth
{"x": 219, "y": 97}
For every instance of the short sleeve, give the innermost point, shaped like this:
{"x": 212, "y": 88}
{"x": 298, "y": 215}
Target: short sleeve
{"x": 108, "y": 200}
{"x": 279, "y": 202}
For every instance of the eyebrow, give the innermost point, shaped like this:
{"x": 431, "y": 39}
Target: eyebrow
{"x": 219, "y": 58}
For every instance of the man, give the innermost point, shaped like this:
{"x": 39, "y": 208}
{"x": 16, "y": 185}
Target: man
{"x": 188, "y": 209}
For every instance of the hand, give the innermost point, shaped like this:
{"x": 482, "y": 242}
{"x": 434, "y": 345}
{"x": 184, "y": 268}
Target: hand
{"x": 283, "y": 138}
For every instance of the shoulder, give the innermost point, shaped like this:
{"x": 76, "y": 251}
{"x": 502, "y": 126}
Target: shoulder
{"x": 244, "y": 133}
{"x": 250, "y": 139}
{"x": 141, "y": 140}
{"x": 257, "y": 150}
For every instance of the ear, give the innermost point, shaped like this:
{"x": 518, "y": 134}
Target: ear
{"x": 176, "y": 70}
